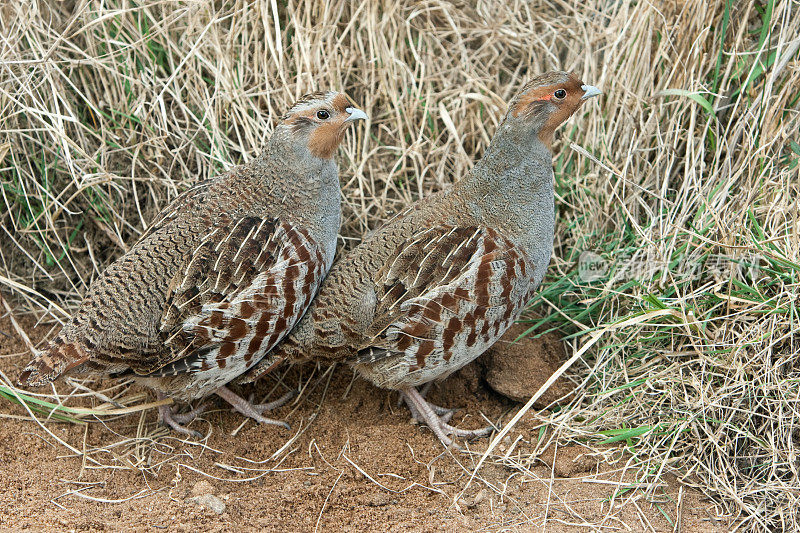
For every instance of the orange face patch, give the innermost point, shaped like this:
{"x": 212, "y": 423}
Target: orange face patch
{"x": 528, "y": 102}
{"x": 325, "y": 139}
{"x": 342, "y": 102}
{"x": 326, "y": 134}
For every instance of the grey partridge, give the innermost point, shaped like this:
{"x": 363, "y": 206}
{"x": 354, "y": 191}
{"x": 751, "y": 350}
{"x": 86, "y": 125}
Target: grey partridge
{"x": 442, "y": 281}
{"x": 222, "y": 274}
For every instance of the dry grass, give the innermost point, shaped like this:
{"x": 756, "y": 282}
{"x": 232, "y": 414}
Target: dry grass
{"x": 688, "y": 168}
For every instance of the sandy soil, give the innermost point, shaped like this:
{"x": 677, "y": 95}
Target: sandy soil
{"x": 353, "y": 462}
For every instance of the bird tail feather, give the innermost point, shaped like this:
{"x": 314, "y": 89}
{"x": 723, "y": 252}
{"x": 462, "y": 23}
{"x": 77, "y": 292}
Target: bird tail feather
{"x": 59, "y": 357}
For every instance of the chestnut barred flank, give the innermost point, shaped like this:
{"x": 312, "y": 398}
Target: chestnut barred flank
{"x": 442, "y": 297}
{"x": 273, "y": 269}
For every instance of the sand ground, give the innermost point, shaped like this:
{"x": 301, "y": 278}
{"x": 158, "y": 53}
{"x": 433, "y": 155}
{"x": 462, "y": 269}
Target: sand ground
{"x": 353, "y": 461}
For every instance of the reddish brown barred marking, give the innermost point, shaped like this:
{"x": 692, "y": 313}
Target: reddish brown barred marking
{"x": 253, "y": 348}
{"x": 424, "y": 350}
{"x": 405, "y": 342}
{"x": 246, "y": 310}
{"x": 280, "y": 323}
{"x": 472, "y": 338}
{"x": 414, "y": 312}
{"x": 237, "y": 328}
{"x": 461, "y": 293}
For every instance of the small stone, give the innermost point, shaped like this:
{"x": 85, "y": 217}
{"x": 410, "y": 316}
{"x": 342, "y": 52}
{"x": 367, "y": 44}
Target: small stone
{"x": 375, "y": 500}
{"x": 209, "y": 501}
{"x": 202, "y": 487}
{"x": 518, "y": 370}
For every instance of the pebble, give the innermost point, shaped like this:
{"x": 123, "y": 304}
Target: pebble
{"x": 202, "y": 487}
{"x": 518, "y": 370}
{"x": 209, "y": 501}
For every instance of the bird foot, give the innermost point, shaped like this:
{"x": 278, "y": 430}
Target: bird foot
{"x": 247, "y": 408}
{"x": 176, "y": 421}
{"x": 185, "y": 418}
{"x": 444, "y": 413}
{"x": 437, "y": 417}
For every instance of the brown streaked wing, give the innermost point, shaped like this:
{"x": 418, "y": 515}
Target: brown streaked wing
{"x": 441, "y": 277}
{"x": 237, "y": 294}
{"x": 184, "y": 202}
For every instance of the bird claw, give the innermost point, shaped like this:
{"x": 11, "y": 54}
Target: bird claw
{"x": 246, "y": 407}
{"x": 437, "y": 418}
{"x": 264, "y": 420}
{"x": 269, "y": 406}
{"x": 445, "y": 417}
{"x": 177, "y": 421}
{"x": 185, "y": 418}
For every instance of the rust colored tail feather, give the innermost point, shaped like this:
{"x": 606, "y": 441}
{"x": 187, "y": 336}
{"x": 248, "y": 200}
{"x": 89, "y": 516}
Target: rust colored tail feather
{"x": 58, "y": 358}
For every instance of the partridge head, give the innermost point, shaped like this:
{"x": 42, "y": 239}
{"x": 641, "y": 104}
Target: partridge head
{"x": 546, "y": 102}
{"x": 222, "y": 274}
{"x": 318, "y": 122}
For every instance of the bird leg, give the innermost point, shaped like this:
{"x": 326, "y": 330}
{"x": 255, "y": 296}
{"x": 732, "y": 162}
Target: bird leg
{"x": 185, "y": 418}
{"x": 247, "y": 408}
{"x": 426, "y": 389}
{"x": 444, "y": 413}
{"x": 427, "y": 413}
{"x": 169, "y": 417}
{"x": 422, "y": 392}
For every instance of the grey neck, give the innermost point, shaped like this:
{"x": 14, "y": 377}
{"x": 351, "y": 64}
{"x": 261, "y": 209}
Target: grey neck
{"x": 299, "y": 187}
{"x": 513, "y": 185}
{"x": 291, "y": 154}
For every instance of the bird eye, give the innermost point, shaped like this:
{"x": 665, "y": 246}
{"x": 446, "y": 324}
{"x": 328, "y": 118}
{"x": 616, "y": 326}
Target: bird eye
{"x": 560, "y": 94}
{"x": 323, "y": 114}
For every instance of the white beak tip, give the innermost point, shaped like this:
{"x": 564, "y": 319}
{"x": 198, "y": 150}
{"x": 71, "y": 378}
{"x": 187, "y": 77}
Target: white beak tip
{"x": 589, "y": 91}
{"x": 355, "y": 114}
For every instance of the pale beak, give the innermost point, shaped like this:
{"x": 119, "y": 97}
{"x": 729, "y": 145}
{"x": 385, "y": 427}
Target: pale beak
{"x": 355, "y": 114}
{"x": 589, "y": 91}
